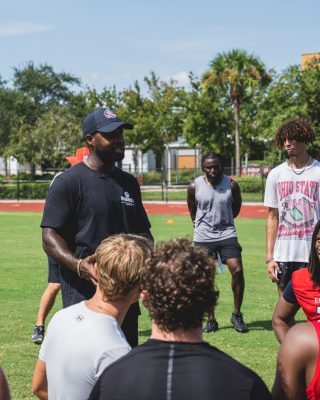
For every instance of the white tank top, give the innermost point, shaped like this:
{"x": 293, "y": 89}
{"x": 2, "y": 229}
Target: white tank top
{"x": 214, "y": 218}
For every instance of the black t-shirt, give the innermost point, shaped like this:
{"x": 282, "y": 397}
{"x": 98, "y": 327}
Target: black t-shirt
{"x": 85, "y": 206}
{"x": 160, "y": 370}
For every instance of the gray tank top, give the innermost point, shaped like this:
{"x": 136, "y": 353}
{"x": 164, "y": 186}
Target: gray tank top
{"x": 214, "y": 219}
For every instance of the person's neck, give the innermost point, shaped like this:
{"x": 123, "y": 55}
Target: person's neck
{"x": 95, "y": 163}
{"x": 214, "y": 182}
{"x": 113, "y": 308}
{"x": 179, "y": 335}
{"x": 299, "y": 161}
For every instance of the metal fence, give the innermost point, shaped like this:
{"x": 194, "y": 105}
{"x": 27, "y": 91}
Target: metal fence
{"x": 161, "y": 181}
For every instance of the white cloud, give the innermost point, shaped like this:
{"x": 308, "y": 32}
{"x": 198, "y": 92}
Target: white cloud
{"x": 14, "y": 28}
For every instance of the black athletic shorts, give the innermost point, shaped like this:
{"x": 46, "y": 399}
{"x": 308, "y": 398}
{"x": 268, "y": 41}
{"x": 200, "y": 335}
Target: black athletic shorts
{"x": 53, "y": 271}
{"x": 287, "y": 269}
{"x": 226, "y": 248}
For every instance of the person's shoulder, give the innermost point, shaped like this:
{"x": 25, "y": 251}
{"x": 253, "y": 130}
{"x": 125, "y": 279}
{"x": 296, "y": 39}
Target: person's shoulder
{"x": 119, "y": 173}
{"x": 60, "y": 314}
{"x": 300, "y": 330}
{"x": 302, "y": 273}
{"x": 301, "y": 339}
{"x": 279, "y": 168}
{"x": 70, "y": 174}
{"x": 315, "y": 163}
{"x": 199, "y": 180}
{"x": 133, "y": 359}
{"x": 192, "y": 185}
{"x": 229, "y": 362}
{"x": 315, "y": 166}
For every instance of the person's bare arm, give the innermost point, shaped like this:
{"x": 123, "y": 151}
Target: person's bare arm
{"x": 271, "y": 235}
{"x": 56, "y": 247}
{"x": 39, "y": 381}
{"x": 236, "y": 198}
{"x": 4, "y": 387}
{"x": 296, "y": 359}
{"x": 191, "y": 200}
{"x": 282, "y": 317}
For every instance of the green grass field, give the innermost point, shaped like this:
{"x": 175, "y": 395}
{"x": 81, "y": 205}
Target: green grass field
{"x": 23, "y": 276}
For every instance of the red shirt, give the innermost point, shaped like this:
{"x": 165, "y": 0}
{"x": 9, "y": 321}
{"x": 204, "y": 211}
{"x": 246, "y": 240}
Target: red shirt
{"x": 313, "y": 389}
{"x": 307, "y": 296}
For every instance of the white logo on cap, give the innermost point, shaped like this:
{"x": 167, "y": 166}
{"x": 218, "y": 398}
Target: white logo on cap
{"x": 126, "y": 194}
{"x": 109, "y": 114}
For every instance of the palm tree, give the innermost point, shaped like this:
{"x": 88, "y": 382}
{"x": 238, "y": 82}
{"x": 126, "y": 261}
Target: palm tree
{"x": 238, "y": 72}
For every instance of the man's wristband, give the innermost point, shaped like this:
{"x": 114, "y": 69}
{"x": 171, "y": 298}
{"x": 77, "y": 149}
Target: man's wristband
{"x": 269, "y": 260}
{"x": 78, "y": 267}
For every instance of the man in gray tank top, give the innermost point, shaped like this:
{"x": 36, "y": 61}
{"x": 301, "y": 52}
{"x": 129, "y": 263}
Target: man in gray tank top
{"x": 214, "y": 200}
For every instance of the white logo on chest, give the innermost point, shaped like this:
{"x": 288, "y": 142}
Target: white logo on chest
{"x": 127, "y": 200}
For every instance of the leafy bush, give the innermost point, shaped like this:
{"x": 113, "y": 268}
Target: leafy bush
{"x": 152, "y": 178}
{"x": 23, "y": 176}
{"x": 184, "y": 176}
{"x": 250, "y": 184}
{"x": 27, "y": 190}
{"x": 179, "y": 177}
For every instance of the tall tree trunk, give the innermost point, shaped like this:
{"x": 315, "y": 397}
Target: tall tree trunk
{"x": 135, "y": 156}
{"x": 33, "y": 171}
{"x": 236, "y": 113}
{"x": 5, "y": 161}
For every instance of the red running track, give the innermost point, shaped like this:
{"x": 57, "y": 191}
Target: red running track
{"x": 247, "y": 211}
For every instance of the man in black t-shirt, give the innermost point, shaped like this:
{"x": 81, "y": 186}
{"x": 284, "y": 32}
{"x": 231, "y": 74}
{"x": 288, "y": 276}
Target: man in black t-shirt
{"x": 178, "y": 290}
{"x": 89, "y": 202}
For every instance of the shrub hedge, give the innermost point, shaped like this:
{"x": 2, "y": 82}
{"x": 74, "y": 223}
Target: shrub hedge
{"x": 27, "y": 190}
{"x": 38, "y": 189}
{"x": 251, "y": 184}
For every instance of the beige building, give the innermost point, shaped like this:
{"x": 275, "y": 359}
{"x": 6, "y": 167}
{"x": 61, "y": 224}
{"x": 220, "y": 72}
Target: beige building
{"x": 309, "y": 57}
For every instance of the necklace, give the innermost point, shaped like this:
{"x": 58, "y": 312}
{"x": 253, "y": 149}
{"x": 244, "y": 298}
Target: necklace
{"x": 303, "y": 169}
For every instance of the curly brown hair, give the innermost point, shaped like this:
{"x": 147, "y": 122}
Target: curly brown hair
{"x": 179, "y": 285}
{"x": 119, "y": 260}
{"x": 298, "y": 129}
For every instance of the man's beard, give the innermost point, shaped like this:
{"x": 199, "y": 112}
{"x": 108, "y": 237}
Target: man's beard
{"x": 107, "y": 156}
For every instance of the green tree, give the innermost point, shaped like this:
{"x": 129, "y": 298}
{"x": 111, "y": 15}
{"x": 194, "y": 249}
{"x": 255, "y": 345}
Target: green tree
{"x": 43, "y": 85}
{"x": 208, "y": 119}
{"x": 157, "y": 117}
{"x": 12, "y": 107}
{"x": 44, "y": 90}
{"x": 238, "y": 73}
{"x": 293, "y": 93}
{"x": 55, "y": 135}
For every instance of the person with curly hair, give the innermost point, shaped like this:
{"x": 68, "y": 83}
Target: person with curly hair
{"x": 83, "y": 339}
{"x": 177, "y": 285}
{"x": 292, "y": 195}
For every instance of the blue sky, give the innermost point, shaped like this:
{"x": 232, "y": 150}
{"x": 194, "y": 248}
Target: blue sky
{"x": 106, "y": 43}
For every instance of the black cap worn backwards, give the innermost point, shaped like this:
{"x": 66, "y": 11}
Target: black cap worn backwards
{"x": 103, "y": 120}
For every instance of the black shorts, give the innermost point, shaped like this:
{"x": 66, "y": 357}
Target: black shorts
{"x": 287, "y": 269}
{"x": 226, "y": 248}
{"x": 53, "y": 271}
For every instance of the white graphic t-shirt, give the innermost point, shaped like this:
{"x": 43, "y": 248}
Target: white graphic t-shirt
{"x": 295, "y": 193}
